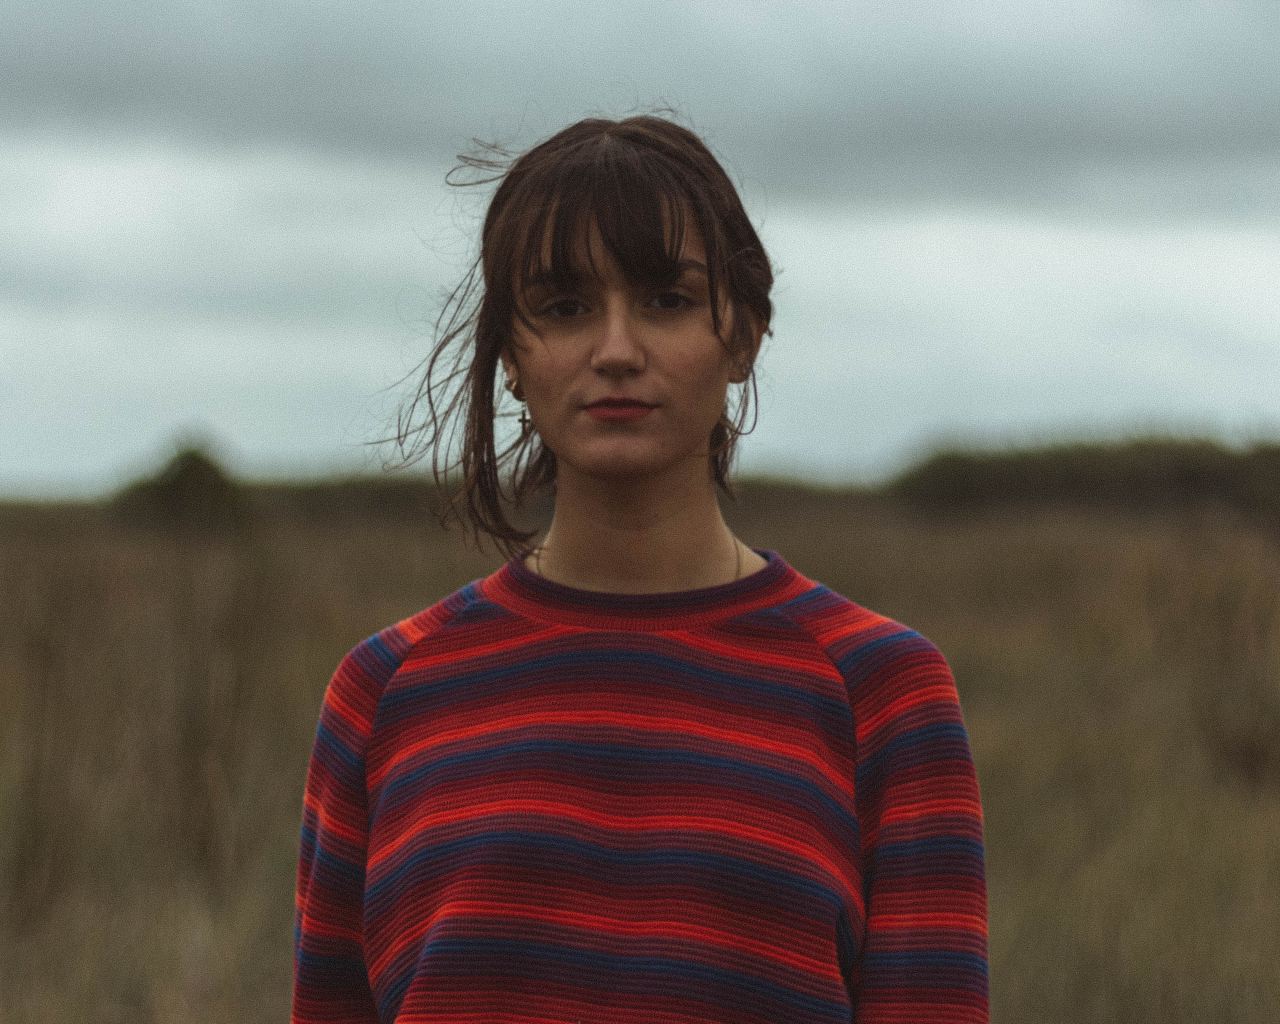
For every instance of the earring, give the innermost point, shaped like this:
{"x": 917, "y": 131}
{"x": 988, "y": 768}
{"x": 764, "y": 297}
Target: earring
{"x": 513, "y": 386}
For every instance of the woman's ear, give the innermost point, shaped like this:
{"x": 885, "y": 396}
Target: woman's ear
{"x": 743, "y": 362}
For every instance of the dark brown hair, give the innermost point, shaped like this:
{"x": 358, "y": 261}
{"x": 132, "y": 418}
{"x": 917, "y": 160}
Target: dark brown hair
{"x": 639, "y": 181}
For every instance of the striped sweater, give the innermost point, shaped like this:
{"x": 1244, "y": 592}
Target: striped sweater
{"x": 752, "y": 803}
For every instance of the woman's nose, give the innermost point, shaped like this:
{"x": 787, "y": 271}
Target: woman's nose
{"x": 618, "y": 347}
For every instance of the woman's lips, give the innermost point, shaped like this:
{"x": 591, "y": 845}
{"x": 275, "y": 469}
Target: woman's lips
{"x": 614, "y": 411}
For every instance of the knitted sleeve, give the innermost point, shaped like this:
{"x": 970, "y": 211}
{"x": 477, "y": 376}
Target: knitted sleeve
{"x": 331, "y": 981}
{"x": 924, "y": 955}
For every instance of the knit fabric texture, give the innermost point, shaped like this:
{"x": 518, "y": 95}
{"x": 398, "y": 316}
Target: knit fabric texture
{"x": 752, "y": 803}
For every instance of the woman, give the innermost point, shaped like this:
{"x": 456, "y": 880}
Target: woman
{"x": 642, "y": 772}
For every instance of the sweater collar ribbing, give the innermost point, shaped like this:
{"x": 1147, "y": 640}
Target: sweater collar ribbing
{"x": 520, "y": 589}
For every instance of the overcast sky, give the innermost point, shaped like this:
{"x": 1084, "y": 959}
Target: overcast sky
{"x": 991, "y": 221}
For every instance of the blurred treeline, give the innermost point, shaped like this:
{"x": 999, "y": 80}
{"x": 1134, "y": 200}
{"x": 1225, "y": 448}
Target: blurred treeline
{"x": 1112, "y": 614}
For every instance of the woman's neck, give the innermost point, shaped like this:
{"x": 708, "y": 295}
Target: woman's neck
{"x": 639, "y": 538}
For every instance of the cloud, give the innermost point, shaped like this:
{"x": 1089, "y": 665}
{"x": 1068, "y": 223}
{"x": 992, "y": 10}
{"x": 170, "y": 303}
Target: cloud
{"x": 1021, "y": 101}
{"x": 161, "y": 228}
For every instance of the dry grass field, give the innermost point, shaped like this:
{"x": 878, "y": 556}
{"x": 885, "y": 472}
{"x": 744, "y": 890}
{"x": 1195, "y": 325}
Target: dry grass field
{"x": 160, "y": 680}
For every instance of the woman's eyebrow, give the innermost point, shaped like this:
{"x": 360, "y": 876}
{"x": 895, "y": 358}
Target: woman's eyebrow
{"x": 550, "y": 279}
{"x": 682, "y": 269}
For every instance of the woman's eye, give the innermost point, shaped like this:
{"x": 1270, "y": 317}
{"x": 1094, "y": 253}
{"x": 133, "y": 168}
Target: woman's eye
{"x": 671, "y": 301}
{"x": 563, "y": 308}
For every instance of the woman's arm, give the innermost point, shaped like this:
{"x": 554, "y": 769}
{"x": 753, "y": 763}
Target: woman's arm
{"x": 331, "y": 981}
{"x": 924, "y": 955}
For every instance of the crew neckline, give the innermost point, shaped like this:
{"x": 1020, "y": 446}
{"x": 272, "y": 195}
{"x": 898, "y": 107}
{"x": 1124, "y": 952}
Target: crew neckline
{"x": 518, "y": 588}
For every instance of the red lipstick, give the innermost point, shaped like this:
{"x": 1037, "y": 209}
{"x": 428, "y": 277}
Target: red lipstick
{"x": 619, "y": 409}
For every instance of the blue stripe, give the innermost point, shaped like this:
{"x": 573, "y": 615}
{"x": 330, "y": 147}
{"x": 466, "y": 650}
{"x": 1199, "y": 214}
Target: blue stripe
{"x": 330, "y": 746}
{"x": 933, "y": 742}
{"x": 377, "y": 646}
{"x": 651, "y": 667}
{"x": 727, "y": 990}
{"x": 925, "y": 968}
{"x": 331, "y": 970}
{"x": 906, "y": 641}
{"x": 627, "y": 865}
{"x": 332, "y": 864}
{"x": 933, "y": 847}
{"x": 639, "y": 763}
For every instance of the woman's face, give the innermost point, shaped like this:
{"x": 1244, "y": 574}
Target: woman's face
{"x": 623, "y": 380}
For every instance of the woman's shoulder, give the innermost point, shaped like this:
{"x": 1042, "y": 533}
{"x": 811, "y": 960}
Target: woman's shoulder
{"x": 380, "y": 654}
{"x": 857, "y": 638}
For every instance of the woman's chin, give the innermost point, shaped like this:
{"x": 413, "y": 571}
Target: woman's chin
{"x": 620, "y": 460}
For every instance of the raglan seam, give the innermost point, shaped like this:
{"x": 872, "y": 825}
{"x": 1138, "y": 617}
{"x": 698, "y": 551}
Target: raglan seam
{"x": 466, "y": 598}
{"x": 903, "y": 632}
